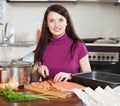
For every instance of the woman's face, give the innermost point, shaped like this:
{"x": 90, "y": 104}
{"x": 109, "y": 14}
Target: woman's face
{"x": 56, "y": 24}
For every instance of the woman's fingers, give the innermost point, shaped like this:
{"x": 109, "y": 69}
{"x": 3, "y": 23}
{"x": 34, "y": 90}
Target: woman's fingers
{"x": 62, "y": 76}
{"x": 43, "y": 70}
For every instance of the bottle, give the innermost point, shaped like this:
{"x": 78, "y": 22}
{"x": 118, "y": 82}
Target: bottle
{"x": 12, "y": 35}
{"x": 38, "y": 32}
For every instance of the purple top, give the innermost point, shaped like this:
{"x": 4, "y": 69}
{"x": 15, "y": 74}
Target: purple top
{"x": 57, "y": 56}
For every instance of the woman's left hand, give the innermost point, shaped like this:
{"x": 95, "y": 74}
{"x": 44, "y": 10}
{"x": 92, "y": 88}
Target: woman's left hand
{"x": 62, "y": 76}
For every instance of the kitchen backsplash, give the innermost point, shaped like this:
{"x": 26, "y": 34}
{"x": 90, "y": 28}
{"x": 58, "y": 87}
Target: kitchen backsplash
{"x": 89, "y": 19}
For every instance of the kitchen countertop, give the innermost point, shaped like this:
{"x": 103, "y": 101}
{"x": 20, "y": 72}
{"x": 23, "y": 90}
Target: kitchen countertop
{"x": 70, "y": 101}
{"x": 114, "y": 42}
{"x": 103, "y": 44}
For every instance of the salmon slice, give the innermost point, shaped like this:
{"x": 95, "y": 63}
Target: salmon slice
{"x": 36, "y": 84}
{"x": 63, "y": 86}
{"x": 67, "y": 86}
{"x": 41, "y": 85}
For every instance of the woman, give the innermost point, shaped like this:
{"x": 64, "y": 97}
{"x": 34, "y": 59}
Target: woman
{"x": 60, "y": 52}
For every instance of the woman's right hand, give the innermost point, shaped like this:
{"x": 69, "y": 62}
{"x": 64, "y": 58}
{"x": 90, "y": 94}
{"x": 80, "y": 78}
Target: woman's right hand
{"x": 43, "y": 70}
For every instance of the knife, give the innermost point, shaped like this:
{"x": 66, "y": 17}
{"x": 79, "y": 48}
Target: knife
{"x": 47, "y": 77}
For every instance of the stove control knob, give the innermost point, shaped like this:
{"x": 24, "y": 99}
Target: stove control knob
{"x": 89, "y": 56}
{"x": 103, "y": 57}
{"x": 94, "y": 57}
{"x": 99, "y": 57}
{"x": 108, "y": 57}
{"x": 112, "y": 57}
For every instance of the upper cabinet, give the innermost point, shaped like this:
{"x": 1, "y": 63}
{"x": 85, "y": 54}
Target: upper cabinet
{"x": 42, "y": 0}
{"x": 99, "y": 1}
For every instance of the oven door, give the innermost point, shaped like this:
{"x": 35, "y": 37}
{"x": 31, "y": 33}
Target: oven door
{"x": 103, "y": 66}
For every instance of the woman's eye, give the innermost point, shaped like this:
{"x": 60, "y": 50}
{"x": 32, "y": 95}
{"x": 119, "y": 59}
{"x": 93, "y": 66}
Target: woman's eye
{"x": 61, "y": 20}
{"x": 51, "y": 20}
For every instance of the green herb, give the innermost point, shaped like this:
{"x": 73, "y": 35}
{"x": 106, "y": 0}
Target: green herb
{"x": 16, "y": 96}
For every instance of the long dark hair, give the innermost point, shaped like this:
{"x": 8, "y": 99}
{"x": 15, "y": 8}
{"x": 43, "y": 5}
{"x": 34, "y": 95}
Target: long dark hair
{"x": 45, "y": 36}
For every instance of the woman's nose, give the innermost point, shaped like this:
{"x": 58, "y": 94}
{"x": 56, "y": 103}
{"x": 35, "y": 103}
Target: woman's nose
{"x": 56, "y": 23}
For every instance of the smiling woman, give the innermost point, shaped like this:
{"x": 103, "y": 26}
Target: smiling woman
{"x": 60, "y": 52}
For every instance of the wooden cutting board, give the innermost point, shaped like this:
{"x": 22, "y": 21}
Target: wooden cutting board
{"x": 53, "y": 92}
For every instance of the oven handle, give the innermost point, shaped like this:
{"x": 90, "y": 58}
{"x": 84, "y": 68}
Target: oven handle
{"x": 103, "y": 63}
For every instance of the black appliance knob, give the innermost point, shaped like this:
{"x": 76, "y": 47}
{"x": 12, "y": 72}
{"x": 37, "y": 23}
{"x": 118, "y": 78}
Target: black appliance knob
{"x": 89, "y": 57}
{"x": 99, "y": 57}
{"x": 94, "y": 57}
{"x": 107, "y": 57}
{"x": 112, "y": 57}
{"x": 103, "y": 57}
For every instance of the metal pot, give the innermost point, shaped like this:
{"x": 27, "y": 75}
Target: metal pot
{"x": 19, "y": 70}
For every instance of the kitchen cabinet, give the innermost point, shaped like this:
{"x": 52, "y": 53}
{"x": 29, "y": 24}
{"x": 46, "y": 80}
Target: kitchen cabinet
{"x": 41, "y": 0}
{"x": 99, "y": 0}
{"x": 113, "y": 1}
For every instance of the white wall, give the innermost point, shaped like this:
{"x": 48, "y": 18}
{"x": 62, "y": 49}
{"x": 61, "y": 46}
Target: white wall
{"x": 90, "y": 19}
{"x": 7, "y": 18}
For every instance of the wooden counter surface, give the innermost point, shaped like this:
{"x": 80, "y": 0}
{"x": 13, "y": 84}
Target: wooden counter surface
{"x": 70, "y": 101}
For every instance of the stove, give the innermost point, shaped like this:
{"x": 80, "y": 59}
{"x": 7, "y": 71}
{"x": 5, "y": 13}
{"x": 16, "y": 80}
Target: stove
{"x": 104, "y": 58}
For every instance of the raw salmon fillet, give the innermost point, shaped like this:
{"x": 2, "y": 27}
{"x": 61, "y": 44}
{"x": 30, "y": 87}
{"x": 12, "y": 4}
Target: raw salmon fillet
{"x": 41, "y": 85}
{"x": 63, "y": 86}
{"x": 67, "y": 86}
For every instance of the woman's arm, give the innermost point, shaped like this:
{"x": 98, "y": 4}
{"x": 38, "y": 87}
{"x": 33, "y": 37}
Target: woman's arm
{"x": 84, "y": 64}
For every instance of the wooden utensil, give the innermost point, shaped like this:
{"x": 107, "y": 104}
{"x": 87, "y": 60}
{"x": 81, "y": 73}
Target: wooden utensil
{"x": 52, "y": 92}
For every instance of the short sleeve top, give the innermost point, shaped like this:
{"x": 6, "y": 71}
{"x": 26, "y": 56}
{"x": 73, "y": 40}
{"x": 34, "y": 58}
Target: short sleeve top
{"x": 57, "y": 56}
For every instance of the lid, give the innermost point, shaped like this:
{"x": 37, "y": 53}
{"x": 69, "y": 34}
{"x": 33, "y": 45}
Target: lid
{"x": 14, "y": 63}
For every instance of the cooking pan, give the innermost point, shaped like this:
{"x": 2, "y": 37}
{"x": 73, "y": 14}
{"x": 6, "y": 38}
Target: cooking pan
{"x": 18, "y": 70}
{"x": 94, "y": 79}
{"x": 92, "y": 40}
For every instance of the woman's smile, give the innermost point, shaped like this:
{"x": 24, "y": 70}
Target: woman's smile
{"x": 57, "y": 29}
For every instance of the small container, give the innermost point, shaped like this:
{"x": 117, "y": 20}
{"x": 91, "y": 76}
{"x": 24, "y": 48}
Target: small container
{"x": 38, "y": 31}
{"x": 38, "y": 34}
